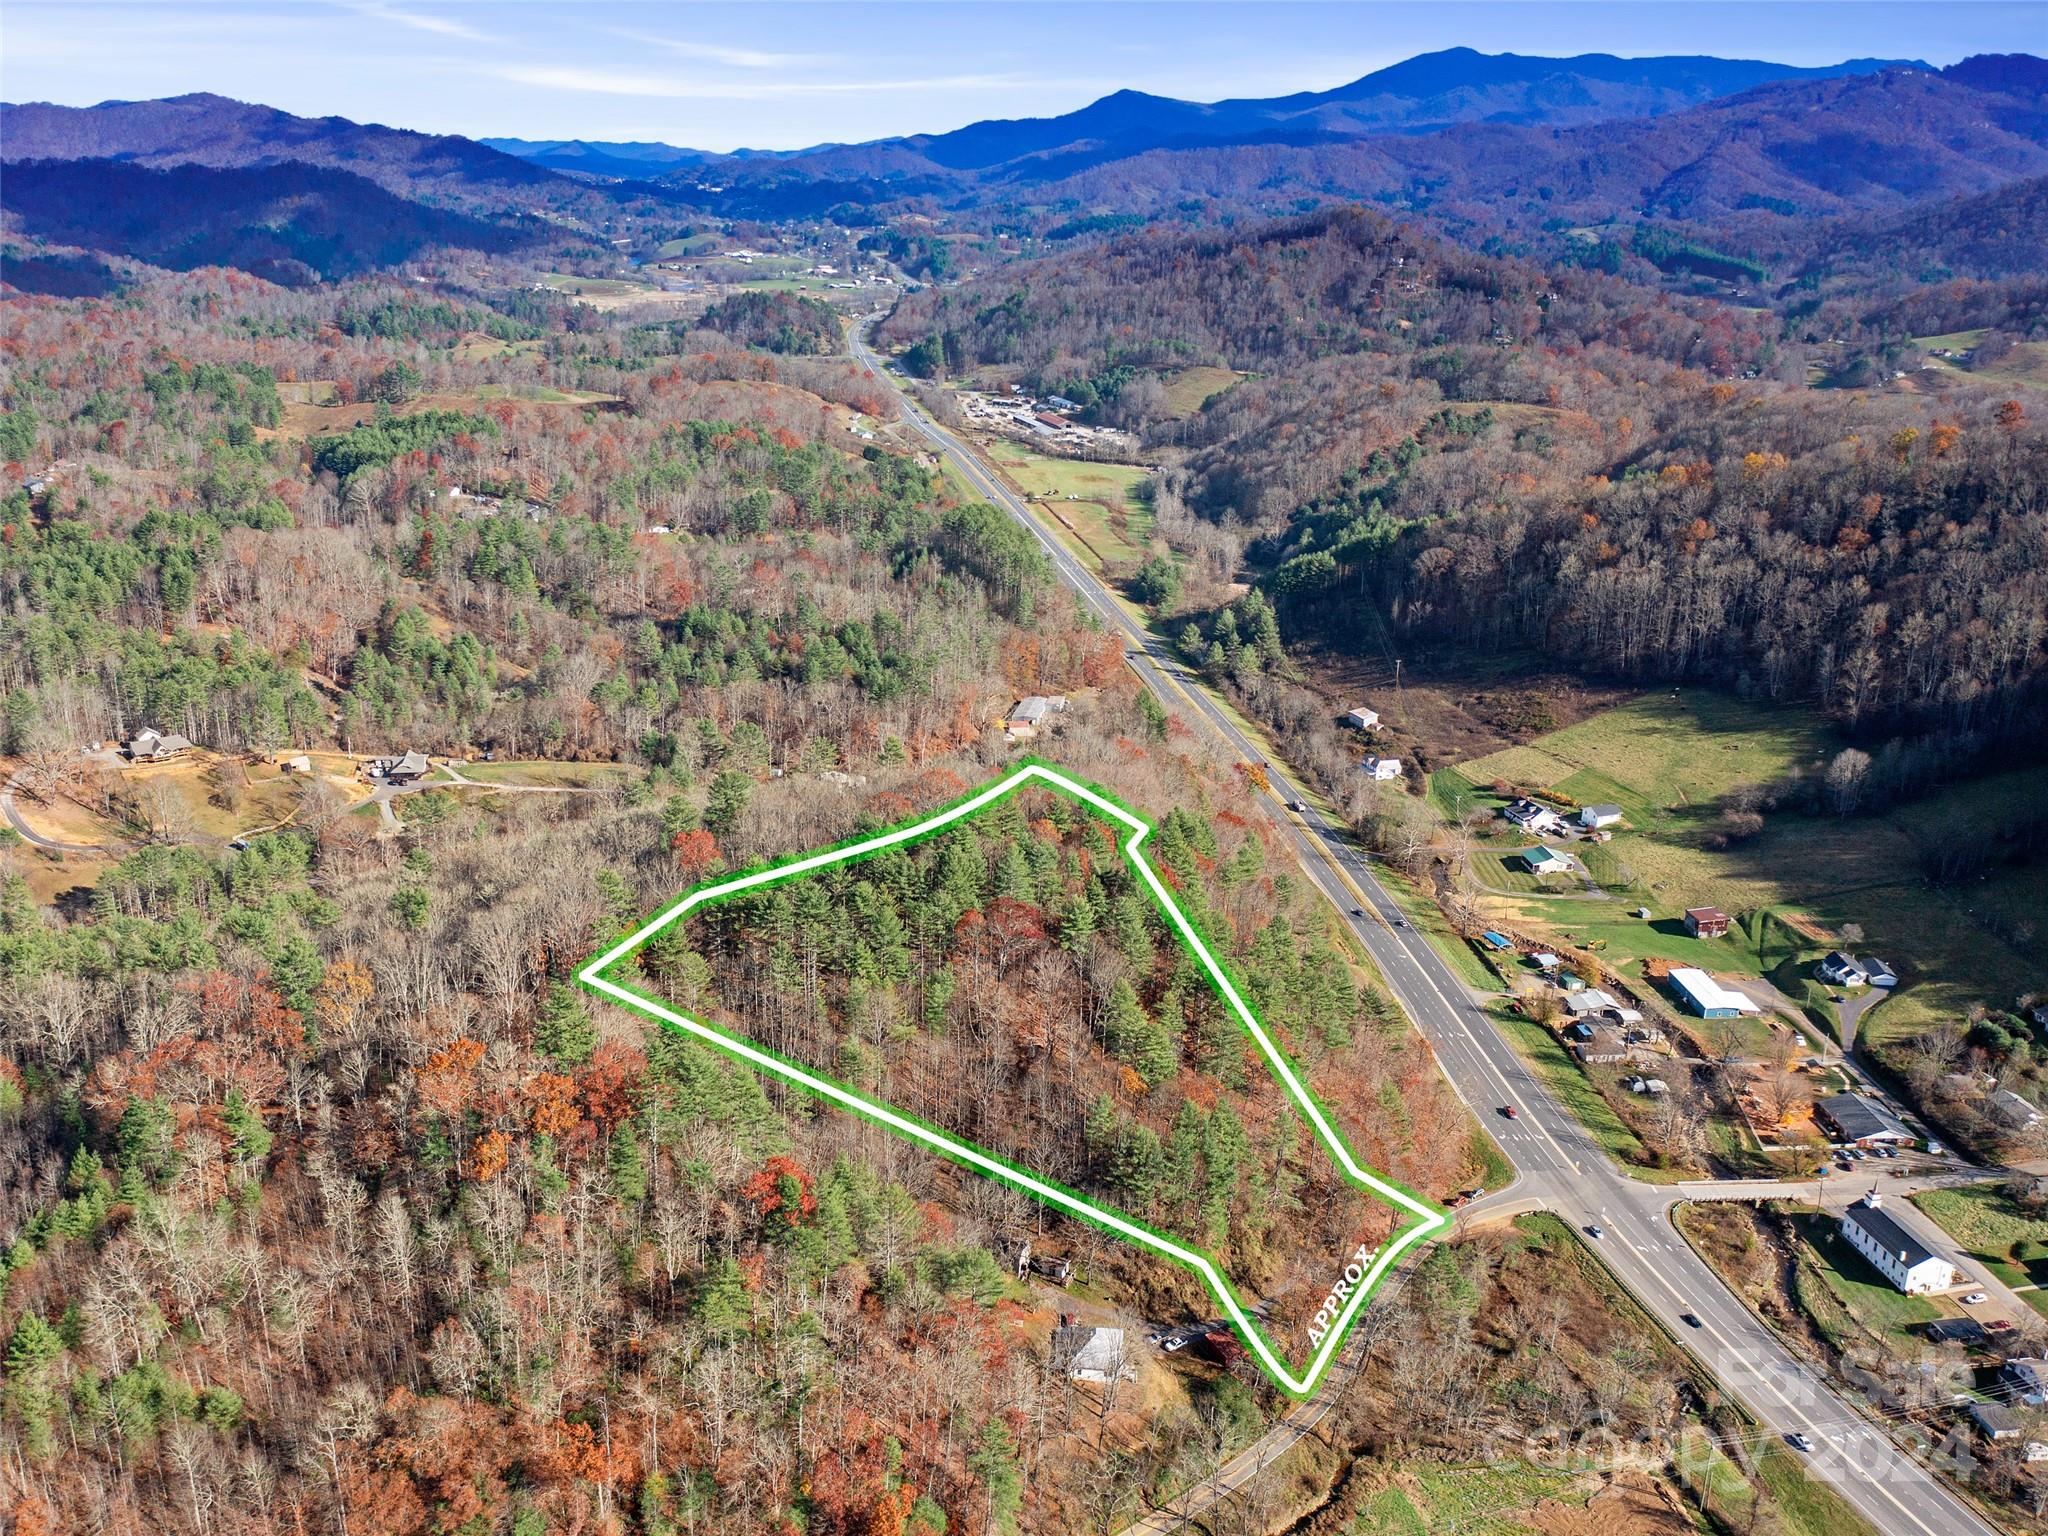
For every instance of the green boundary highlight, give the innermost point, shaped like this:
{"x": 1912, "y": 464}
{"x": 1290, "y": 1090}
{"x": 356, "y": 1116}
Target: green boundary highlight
{"x": 1426, "y": 1219}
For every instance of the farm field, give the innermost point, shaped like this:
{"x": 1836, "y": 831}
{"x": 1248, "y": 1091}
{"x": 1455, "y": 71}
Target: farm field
{"x": 1666, "y": 760}
{"x": 1113, "y": 517}
{"x": 2025, "y": 365}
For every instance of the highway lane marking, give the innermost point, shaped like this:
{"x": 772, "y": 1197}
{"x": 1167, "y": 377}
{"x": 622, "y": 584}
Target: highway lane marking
{"x": 1704, "y": 1313}
{"x": 1086, "y": 584}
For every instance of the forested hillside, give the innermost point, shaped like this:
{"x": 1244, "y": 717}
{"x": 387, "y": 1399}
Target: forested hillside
{"x": 326, "y": 1202}
{"x": 1012, "y": 982}
{"x": 1475, "y": 451}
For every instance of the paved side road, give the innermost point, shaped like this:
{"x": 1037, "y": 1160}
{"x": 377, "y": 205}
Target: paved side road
{"x": 1556, "y": 1162}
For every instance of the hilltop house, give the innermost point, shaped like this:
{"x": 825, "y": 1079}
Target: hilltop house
{"x": 1896, "y": 1254}
{"x": 404, "y": 769}
{"x": 1706, "y": 922}
{"x": 1362, "y": 719}
{"x": 155, "y": 747}
{"x": 1707, "y": 997}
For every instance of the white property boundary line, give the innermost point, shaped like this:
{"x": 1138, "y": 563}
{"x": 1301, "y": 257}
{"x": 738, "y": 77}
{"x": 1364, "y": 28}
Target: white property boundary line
{"x": 1429, "y": 1219}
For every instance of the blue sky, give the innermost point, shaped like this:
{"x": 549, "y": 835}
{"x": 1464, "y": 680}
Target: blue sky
{"x": 779, "y": 76}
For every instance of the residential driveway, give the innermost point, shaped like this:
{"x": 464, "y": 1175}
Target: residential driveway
{"x": 1852, "y": 1009}
{"x": 17, "y": 782}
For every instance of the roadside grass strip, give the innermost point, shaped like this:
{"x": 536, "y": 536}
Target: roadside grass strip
{"x": 1360, "y": 1273}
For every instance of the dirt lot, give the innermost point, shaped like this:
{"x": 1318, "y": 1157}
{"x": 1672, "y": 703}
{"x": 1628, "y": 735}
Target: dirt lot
{"x": 1450, "y": 710}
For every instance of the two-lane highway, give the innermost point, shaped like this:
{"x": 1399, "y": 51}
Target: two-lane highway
{"x": 1557, "y": 1164}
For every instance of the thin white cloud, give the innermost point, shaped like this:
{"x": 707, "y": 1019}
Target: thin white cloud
{"x": 606, "y": 82}
{"x": 424, "y": 21}
{"x": 716, "y": 53}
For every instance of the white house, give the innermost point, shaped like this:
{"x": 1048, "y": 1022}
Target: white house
{"x": 1896, "y": 1254}
{"x": 1092, "y": 1354}
{"x": 1843, "y": 969}
{"x": 1383, "y": 768}
{"x": 1363, "y": 719}
{"x": 1595, "y": 816}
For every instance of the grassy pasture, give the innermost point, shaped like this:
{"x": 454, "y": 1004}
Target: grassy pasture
{"x": 1112, "y": 517}
{"x": 1992, "y": 1228}
{"x": 1191, "y": 388}
{"x": 1667, "y": 760}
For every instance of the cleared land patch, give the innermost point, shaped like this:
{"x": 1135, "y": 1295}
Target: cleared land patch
{"x": 1668, "y": 761}
{"x": 1248, "y": 1155}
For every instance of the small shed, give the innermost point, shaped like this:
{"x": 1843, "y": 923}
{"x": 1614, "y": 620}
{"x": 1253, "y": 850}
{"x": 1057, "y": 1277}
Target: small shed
{"x": 1363, "y": 719}
{"x": 1706, "y": 922}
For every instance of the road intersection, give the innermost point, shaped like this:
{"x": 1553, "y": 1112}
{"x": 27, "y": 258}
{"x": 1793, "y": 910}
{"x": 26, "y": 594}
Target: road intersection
{"x": 1558, "y": 1167}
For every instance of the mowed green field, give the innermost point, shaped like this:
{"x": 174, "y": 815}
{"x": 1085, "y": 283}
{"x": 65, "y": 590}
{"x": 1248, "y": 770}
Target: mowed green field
{"x": 1113, "y": 515}
{"x": 2025, "y": 365}
{"x": 1992, "y": 1228}
{"x": 1188, "y": 390}
{"x": 1667, "y": 760}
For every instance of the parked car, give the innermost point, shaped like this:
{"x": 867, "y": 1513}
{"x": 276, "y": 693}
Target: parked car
{"x": 1975, "y": 1299}
{"x": 1998, "y": 1325}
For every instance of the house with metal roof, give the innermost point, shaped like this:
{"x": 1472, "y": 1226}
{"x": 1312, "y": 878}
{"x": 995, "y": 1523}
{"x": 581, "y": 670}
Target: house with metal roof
{"x": 1707, "y": 997}
{"x": 1088, "y": 1353}
{"x": 1849, "y": 1117}
{"x": 1893, "y": 1251}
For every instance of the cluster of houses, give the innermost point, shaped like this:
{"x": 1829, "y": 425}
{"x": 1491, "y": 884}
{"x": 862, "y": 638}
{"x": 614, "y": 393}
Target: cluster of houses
{"x": 1603, "y": 1030}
